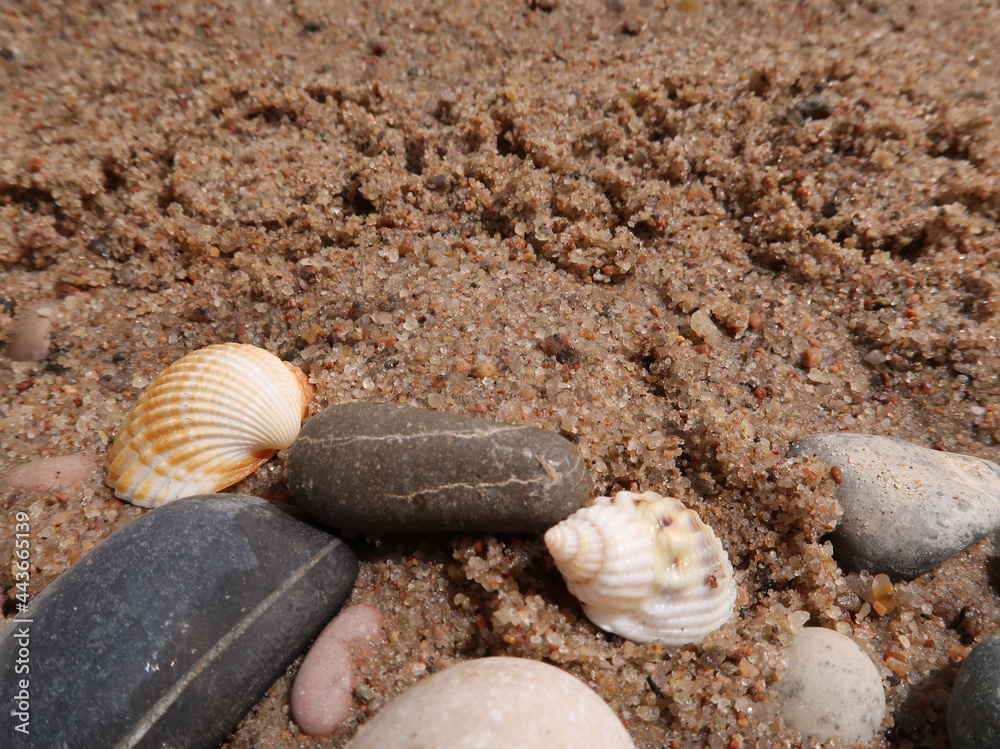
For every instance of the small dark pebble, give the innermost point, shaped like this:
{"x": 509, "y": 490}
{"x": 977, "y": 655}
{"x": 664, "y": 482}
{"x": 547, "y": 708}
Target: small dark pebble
{"x": 969, "y": 624}
{"x": 313, "y": 26}
{"x": 559, "y": 347}
{"x": 357, "y": 310}
{"x": 100, "y": 246}
{"x": 632, "y": 25}
{"x": 812, "y": 108}
{"x": 8, "y": 604}
{"x": 6, "y": 53}
{"x": 764, "y": 581}
{"x": 202, "y": 315}
{"x": 378, "y": 47}
{"x": 438, "y": 182}
{"x": 712, "y": 658}
{"x": 120, "y": 357}
{"x": 308, "y": 273}
{"x": 545, "y": 5}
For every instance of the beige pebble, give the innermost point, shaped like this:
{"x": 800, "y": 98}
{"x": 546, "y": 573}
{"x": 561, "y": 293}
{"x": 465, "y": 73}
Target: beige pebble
{"x": 704, "y": 326}
{"x": 29, "y": 340}
{"x": 483, "y": 370}
{"x": 831, "y": 687}
{"x": 49, "y": 473}
{"x": 496, "y": 702}
{"x": 812, "y": 357}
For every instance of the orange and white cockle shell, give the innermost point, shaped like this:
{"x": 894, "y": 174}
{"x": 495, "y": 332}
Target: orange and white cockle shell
{"x": 209, "y": 420}
{"x": 645, "y": 567}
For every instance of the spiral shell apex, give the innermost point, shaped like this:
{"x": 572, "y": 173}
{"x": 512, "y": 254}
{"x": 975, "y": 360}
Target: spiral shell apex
{"x": 209, "y": 420}
{"x": 645, "y": 567}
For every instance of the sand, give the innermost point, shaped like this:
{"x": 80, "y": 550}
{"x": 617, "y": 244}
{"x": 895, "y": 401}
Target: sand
{"x": 681, "y": 235}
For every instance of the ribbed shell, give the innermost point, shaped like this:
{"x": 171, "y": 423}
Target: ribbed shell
{"x": 580, "y": 546}
{"x": 209, "y": 419}
{"x": 658, "y": 572}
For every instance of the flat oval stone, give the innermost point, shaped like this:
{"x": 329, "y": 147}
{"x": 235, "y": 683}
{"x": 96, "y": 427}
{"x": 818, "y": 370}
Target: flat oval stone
{"x": 383, "y": 468}
{"x": 49, "y": 473}
{"x": 906, "y": 508}
{"x": 974, "y": 703}
{"x": 172, "y": 628}
{"x": 496, "y": 702}
{"x": 321, "y": 696}
{"x": 831, "y": 687}
{"x": 29, "y": 339}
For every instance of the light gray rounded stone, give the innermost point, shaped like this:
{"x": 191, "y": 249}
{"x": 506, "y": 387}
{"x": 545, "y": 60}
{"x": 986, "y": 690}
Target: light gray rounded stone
{"x": 831, "y": 687}
{"x": 974, "y": 704}
{"x": 906, "y": 508}
{"x": 384, "y": 468}
{"x": 496, "y": 702}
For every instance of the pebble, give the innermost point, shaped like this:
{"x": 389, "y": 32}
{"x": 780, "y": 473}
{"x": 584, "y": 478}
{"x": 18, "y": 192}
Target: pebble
{"x": 974, "y": 703}
{"x": 321, "y": 698}
{"x": 383, "y": 468}
{"x": 49, "y": 473}
{"x": 172, "y": 628}
{"x": 830, "y": 687}
{"x": 906, "y": 508}
{"x": 29, "y": 339}
{"x": 496, "y": 702}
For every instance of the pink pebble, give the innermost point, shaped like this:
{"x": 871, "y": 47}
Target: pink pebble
{"x": 321, "y": 697}
{"x": 29, "y": 340}
{"x": 49, "y": 473}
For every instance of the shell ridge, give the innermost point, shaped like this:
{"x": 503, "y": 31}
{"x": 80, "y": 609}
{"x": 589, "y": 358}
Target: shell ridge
{"x": 208, "y": 420}
{"x": 216, "y": 398}
{"x": 665, "y": 575}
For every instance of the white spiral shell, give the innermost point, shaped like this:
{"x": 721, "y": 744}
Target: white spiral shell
{"x": 645, "y": 567}
{"x": 209, "y": 420}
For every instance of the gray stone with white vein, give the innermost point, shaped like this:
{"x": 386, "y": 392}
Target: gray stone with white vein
{"x": 170, "y": 630}
{"x": 384, "y": 468}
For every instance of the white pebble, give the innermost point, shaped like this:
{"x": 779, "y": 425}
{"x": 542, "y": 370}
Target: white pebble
{"x": 831, "y": 687}
{"x": 496, "y": 702}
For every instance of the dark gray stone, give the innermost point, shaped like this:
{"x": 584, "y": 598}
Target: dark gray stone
{"x": 385, "y": 468}
{"x": 906, "y": 508}
{"x": 172, "y": 628}
{"x": 974, "y": 704}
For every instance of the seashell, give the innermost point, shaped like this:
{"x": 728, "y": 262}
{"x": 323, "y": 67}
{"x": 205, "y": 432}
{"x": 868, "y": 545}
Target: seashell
{"x": 645, "y": 567}
{"x": 209, "y": 420}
